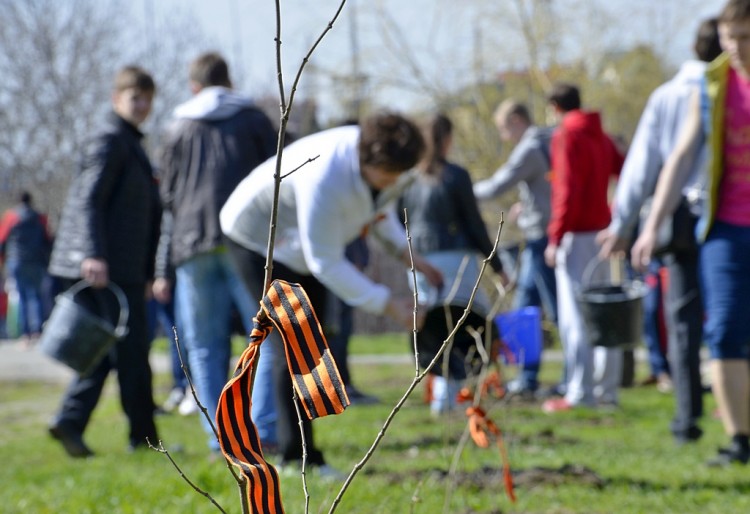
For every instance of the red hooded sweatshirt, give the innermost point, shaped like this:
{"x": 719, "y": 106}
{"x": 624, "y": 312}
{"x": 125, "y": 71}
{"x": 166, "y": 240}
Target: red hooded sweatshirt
{"x": 583, "y": 160}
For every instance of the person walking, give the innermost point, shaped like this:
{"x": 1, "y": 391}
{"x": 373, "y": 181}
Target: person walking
{"x": 719, "y": 115}
{"x": 322, "y": 207}
{"x": 108, "y": 232}
{"x": 25, "y": 245}
{"x": 584, "y": 159}
{"x": 655, "y": 139}
{"x": 527, "y": 169}
{"x": 217, "y": 138}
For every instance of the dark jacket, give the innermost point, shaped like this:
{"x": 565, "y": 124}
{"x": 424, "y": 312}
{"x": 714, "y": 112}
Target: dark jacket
{"x": 112, "y": 210}
{"x": 24, "y": 238}
{"x": 443, "y": 214}
{"x": 216, "y": 140}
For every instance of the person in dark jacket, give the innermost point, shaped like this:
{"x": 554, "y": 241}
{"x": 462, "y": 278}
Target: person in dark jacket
{"x": 217, "y": 138}
{"x": 109, "y": 231}
{"x": 25, "y": 244}
{"x": 446, "y": 228}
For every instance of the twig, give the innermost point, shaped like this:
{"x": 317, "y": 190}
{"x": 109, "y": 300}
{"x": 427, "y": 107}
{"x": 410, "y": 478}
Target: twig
{"x": 197, "y": 489}
{"x": 241, "y": 482}
{"x": 311, "y": 159}
{"x": 415, "y": 312}
{"x": 381, "y": 434}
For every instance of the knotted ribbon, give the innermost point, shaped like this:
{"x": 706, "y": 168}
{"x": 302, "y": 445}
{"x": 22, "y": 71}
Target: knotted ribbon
{"x": 480, "y": 428}
{"x": 315, "y": 378}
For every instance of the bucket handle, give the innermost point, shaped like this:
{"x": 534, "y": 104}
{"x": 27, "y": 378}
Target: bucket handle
{"x": 121, "y": 329}
{"x": 616, "y": 266}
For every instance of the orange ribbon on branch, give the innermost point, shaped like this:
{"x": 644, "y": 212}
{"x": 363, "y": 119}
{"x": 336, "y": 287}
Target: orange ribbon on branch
{"x": 315, "y": 378}
{"x": 480, "y": 428}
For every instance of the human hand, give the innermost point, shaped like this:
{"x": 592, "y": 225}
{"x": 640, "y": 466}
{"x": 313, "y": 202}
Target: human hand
{"x": 611, "y": 244}
{"x": 643, "y": 250}
{"x": 550, "y": 255}
{"x": 162, "y": 290}
{"x": 401, "y": 309}
{"x": 515, "y": 211}
{"x": 431, "y": 273}
{"x": 95, "y": 271}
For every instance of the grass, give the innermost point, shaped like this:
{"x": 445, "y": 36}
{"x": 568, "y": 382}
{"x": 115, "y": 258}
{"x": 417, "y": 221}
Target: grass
{"x": 620, "y": 461}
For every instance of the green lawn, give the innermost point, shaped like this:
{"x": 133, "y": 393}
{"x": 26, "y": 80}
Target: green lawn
{"x": 580, "y": 462}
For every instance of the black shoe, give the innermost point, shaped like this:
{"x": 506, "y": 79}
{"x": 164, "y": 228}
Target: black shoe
{"x": 728, "y": 456}
{"x": 357, "y": 397}
{"x": 691, "y": 435}
{"x": 71, "y": 440}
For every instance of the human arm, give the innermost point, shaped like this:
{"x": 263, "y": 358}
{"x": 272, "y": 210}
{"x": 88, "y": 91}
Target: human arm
{"x": 667, "y": 195}
{"x": 88, "y": 203}
{"x": 471, "y": 220}
{"x": 524, "y": 163}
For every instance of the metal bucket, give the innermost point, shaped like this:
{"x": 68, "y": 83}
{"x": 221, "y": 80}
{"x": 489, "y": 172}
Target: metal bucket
{"x": 612, "y": 309}
{"x": 460, "y": 272}
{"x": 76, "y": 336}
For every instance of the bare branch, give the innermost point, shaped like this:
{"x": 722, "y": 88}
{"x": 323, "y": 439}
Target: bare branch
{"x": 197, "y": 489}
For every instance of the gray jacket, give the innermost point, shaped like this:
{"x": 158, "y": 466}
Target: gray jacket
{"x": 218, "y": 137}
{"x": 526, "y": 167}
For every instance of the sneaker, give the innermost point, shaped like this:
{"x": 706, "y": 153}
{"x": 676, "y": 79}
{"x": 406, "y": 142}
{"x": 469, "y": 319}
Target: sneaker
{"x": 357, "y": 397}
{"x": 324, "y": 471}
{"x": 174, "y": 399}
{"x": 188, "y": 406}
{"x": 327, "y": 472}
{"x": 556, "y": 405}
{"x": 729, "y": 456}
{"x": 72, "y": 441}
{"x": 664, "y": 383}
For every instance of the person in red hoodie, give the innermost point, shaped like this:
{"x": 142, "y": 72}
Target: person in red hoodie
{"x": 584, "y": 159}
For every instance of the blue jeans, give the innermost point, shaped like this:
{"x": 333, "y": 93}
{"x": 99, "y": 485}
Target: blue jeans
{"x": 162, "y": 315}
{"x": 652, "y": 313}
{"x": 206, "y": 287}
{"x": 535, "y": 287}
{"x": 725, "y": 274}
{"x": 29, "y": 279}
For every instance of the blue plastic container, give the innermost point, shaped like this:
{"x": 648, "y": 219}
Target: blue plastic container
{"x": 521, "y": 331}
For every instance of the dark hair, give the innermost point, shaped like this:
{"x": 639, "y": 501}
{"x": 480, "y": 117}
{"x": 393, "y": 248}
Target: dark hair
{"x": 707, "y": 46}
{"x": 436, "y": 132}
{"x": 25, "y": 197}
{"x": 210, "y": 69}
{"x": 735, "y": 10}
{"x": 134, "y": 77}
{"x": 565, "y": 96}
{"x": 390, "y": 141}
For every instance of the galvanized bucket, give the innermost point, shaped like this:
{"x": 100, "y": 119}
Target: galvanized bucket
{"x": 78, "y": 337}
{"x": 612, "y": 308}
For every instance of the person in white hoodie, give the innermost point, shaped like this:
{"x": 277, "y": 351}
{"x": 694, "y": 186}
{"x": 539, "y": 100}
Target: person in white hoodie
{"x": 347, "y": 180}
{"x": 654, "y": 140}
{"x": 217, "y": 138}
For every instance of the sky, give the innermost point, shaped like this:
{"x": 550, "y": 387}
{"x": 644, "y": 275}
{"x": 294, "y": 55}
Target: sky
{"x": 440, "y": 35}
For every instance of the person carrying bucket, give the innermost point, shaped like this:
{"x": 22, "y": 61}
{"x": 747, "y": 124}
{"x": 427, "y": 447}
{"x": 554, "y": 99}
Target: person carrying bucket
{"x": 584, "y": 159}
{"x": 719, "y": 118}
{"x": 108, "y": 232}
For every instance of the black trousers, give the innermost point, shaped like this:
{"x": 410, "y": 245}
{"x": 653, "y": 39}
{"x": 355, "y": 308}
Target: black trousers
{"x": 685, "y": 336}
{"x": 251, "y": 267}
{"x": 129, "y": 357}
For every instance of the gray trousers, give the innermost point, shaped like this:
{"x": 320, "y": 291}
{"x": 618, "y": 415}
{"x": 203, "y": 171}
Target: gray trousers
{"x": 685, "y": 336}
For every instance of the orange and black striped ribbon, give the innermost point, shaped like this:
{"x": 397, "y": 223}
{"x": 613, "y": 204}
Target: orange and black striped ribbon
{"x": 480, "y": 427}
{"x": 314, "y": 375}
